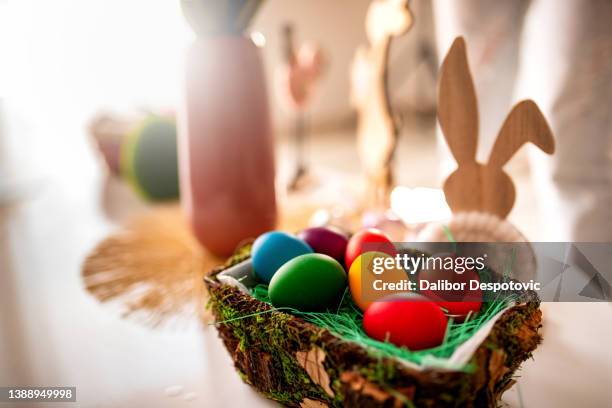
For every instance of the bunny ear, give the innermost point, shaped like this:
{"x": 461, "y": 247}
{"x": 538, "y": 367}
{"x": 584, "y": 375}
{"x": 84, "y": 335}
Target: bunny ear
{"x": 525, "y": 123}
{"x": 457, "y": 105}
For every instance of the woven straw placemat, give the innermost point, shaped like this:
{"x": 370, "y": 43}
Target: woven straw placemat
{"x": 153, "y": 267}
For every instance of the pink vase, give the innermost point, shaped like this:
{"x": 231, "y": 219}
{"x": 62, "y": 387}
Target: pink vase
{"x": 225, "y": 144}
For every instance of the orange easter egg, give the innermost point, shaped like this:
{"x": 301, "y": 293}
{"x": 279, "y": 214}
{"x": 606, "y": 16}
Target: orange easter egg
{"x": 367, "y": 286}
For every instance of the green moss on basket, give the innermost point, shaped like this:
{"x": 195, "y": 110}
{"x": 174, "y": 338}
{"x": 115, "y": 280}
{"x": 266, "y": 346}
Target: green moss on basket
{"x": 269, "y": 332}
{"x": 514, "y": 335}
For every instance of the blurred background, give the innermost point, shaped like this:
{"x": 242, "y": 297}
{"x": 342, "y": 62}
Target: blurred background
{"x": 64, "y": 62}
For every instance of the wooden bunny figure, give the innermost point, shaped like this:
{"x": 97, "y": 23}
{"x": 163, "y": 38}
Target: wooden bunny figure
{"x": 376, "y": 130}
{"x": 481, "y": 195}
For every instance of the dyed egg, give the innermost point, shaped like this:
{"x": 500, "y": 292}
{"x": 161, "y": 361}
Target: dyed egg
{"x": 149, "y": 159}
{"x": 367, "y": 240}
{"x": 409, "y": 320}
{"x": 451, "y": 290}
{"x": 308, "y": 282}
{"x": 272, "y": 249}
{"x": 361, "y": 279}
{"x": 326, "y": 241}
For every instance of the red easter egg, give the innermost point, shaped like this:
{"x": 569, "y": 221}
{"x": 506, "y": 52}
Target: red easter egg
{"x": 407, "y": 320}
{"x": 458, "y": 300}
{"x": 367, "y": 240}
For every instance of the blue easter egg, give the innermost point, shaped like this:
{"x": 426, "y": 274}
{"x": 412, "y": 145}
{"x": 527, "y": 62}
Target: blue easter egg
{"x": 272, "y": 250}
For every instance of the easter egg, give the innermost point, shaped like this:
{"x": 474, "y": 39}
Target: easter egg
{"x": 410, "y": 321}
{"x": 361, "y": 278}
{"x": 149, "y": 159}
{"x": 451, "y": 290}
{"x": 272, "y": 249}
{"x": 308, "y": 282}
{"x": 324, "y": 240}
{"x": 367, "y": 240}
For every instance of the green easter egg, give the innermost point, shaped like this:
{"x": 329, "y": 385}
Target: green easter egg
{"x": 149, "y": 159}
{"x": 308, "y": 282}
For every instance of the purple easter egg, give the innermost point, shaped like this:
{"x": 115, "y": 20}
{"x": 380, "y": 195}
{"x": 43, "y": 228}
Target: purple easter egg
{"x": 326, "y": 241}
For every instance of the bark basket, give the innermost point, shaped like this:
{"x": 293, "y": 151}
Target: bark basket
{"x": 302, "y": 365}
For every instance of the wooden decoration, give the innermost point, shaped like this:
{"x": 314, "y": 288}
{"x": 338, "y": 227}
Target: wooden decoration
{"x": 474, "y": 186}
{"x": 376, "y": 130}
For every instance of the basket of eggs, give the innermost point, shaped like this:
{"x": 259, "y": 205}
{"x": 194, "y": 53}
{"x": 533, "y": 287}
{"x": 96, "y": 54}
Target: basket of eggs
{"x": 301, "y": 333}
{"x": 292, "y": 313}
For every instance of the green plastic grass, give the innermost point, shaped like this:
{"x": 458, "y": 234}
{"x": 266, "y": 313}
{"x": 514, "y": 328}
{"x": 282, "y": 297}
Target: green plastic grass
{"x": 346, "y": 323}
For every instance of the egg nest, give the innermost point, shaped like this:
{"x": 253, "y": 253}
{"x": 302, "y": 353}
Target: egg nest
{"x": 263, "y": 342}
